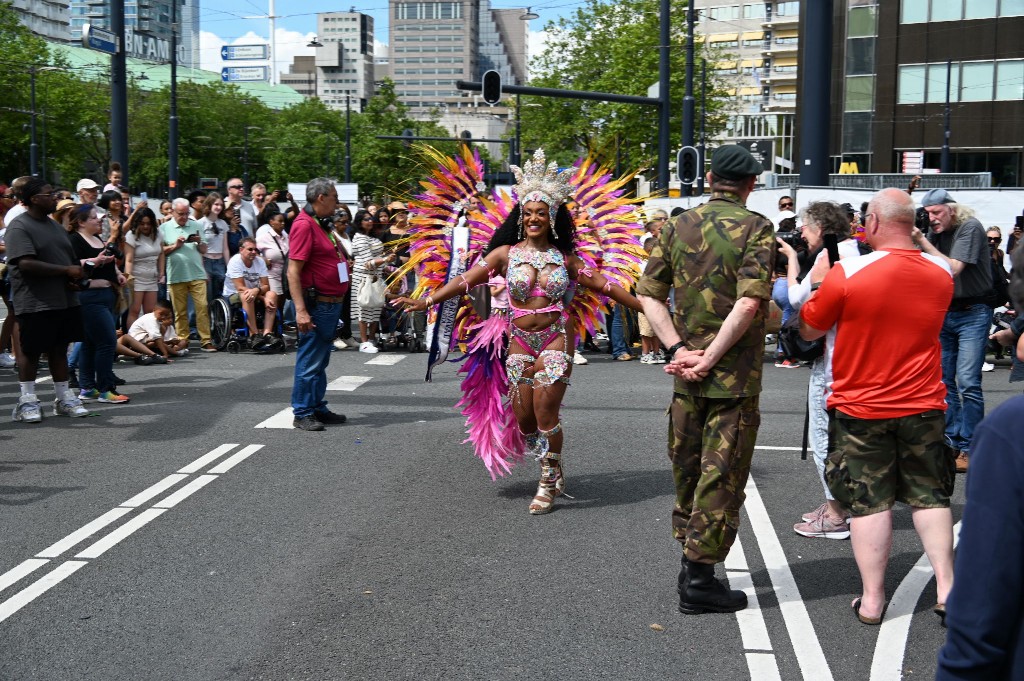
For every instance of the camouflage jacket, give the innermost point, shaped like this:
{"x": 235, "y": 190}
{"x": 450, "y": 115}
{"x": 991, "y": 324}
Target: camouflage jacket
{"x": 710, "y": 257}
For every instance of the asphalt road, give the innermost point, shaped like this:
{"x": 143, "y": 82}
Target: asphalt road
{"x": 381, "y": 549}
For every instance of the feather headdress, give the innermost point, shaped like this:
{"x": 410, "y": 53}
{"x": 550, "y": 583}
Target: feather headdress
{"x": 537, "y": 182}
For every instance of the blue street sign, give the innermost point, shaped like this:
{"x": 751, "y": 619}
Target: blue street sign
{"x": 245, "y": 52}
{"x": 99, "y": 40}
{"x": 244, "y": 74}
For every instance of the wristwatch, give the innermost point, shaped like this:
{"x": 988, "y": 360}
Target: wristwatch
{"x": 672, "y": 350}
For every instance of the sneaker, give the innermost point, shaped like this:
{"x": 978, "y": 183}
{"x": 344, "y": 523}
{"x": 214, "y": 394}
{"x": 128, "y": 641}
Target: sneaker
{"x": 578, "y": 358}
{"x": 89, "y": 395}
{"x": 808, "y": 517}
{"x": 788, "y": 364}
{"x": 659, "y": 358}
{"x": 144, "y": 360}
{"x": 181, "y": 353}
{"x": 112, "y": 397}
{"x": 340, "y": 344}
{"x": 27, "y": 410}
{"x": 824, "y": 527}
{"x": 208, "y": 348}
{"x": 307, "y": 423}
{"x": 69, "y": 406}
{"x": 624, "y": 357}
{"x": 647, "y": 358}
{"x": 158, "y": 359}
{"x": 601, "y": 336}
{"x": 119, "y": 381}
{"x": 368, "y": 347}
{"x": 7, "y": 360}
{"x": 988, "y": 367}
{"x": 328, "y": 417}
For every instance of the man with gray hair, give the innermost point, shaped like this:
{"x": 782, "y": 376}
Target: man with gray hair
{"x": 959, "y": 238}
{"x": 318, "y": 279}
{"x": 184, "y": 248}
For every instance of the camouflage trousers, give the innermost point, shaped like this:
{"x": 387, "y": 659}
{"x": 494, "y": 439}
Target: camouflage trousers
{"x": 873, "y": 463}
{"x": 710, "y": 443}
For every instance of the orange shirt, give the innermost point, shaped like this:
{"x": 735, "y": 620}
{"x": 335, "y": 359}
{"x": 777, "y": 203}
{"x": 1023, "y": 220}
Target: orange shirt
{"x": 884, "y": 312}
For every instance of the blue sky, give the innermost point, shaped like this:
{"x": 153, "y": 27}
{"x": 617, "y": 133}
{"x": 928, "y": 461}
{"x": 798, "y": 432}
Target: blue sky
{"x": 224, "y": 22}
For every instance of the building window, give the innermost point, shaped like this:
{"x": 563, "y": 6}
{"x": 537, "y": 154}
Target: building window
{"x": 857, "y": 132}
{"x": 1010, "y": 80}
{"x": 725, "y": 13}
{"x": 911, "y": 85}
{"x": 860, "y": 93}
{"x": 861, "y": 22}
{"x": 977, "y": 81}
{"x": 755, "y": 11}
{"x": 860, "y": 56}
{"x": 787, "y": 9}
{"x": 937, "y": 82}
{"x": 947, "y": 10}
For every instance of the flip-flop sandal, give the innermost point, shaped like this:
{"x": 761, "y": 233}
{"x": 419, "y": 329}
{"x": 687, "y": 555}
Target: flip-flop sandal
{"x": 940, "y": 610}
{"x": 870, "y": 621}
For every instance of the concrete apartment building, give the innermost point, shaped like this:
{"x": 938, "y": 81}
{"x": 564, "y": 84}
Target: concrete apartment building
{"x": 755, "y": 49}
{"x": 47, "y": 19}
{"x": 890, "y": 65}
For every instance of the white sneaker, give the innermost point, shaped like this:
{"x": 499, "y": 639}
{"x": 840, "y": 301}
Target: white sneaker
{"x": 601, "y": 336}
{"x": 988, "y": 367}
{"x": 368, "y": 347}
{"x": 340, "y": 344}
{"x": 578, "y": 358}
{"x": 181, "y": 353}
{"x": 647, "y": 358}
{"x": 69, "y": 406}
{"x": 659, "y": 358}
{"x": 27, "y": 410}
{"x": 7, "y": 360}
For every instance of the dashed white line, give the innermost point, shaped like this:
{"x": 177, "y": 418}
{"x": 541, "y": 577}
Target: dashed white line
{"x": 39, "y": 587}
{"x": 753, "y": 629}
{"x": 215, "y": 454}
{"x": 763, "y": 667}
{"x": 282, "y": 419}
{"x": 18, "y": 572}
{"x": 84, "y": 532}
{"x": 147, "y": 494}
{"x": 235, "y": 459}
{"x": 386, "y": 360}
{"x": 98, "y": 548}
{"x": 185, "y": 492}
{"x": 347, "y": 383}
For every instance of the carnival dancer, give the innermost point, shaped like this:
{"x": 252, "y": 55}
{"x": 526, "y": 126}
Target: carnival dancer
{"x": 535, "y": 250}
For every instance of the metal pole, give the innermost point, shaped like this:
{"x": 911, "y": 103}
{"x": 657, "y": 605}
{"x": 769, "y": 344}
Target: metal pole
{"x": 944, "y": 163}
{"x": 172, "y": 136}
{"x": 43, "y": 157}
{"x": 688, "y": 101}
{"x": 348, "y": 138}
{"x": 119, "y": 94}
{"x": 815, "y": 109}
{"x": 517, "y": 154}
{"x": 245, "y": 159}
{"x": 663, "y": 80}
{"x": 33, "y": 148}
{"x": 702, "y": 147}
{"x": 273, "y": 44}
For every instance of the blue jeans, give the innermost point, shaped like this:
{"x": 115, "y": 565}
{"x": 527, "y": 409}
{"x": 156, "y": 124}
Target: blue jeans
{"x": 74, "y": 355}
{"x": 780, "y": 294}
{"x": 96, "y": 362}
{"x": 964, "y": 338}
{"x": 616, "y": 335}
{"x": 312, "y": 355}
{"x": 216, "y": 270}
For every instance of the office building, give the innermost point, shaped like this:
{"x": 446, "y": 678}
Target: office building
{"x": 147, "y": 27}
{"x": 892, "y": 64}
{"x": 754, "y": 49}
{"x": 301, "y": 76}
{"x": 47, "y": 19}
{"x": 434, "y": 44}
{"x": 344, "y": 59}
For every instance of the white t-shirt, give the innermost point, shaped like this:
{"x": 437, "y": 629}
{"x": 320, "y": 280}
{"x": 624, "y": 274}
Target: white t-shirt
{"x": 147, "y": 328}
{"x": 14, "y": 212}
{"x": 214, "y": 242}
{"x": 250, "y": 275}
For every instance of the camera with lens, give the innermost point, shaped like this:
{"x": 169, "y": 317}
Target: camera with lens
{"x": 922, "y": 221}
{"x": 112, "y": 251}
{"x": 795, "y": 240}
{"x": 87, "y": 269}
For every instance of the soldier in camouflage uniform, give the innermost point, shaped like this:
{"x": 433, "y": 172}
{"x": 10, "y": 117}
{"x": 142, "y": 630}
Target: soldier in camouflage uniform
{"x": 716, "y": 259}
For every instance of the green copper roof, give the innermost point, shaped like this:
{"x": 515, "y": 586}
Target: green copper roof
{"x": 88, "y": 63}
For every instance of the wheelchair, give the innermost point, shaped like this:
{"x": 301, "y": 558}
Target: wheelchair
{"x": 229, "y": 328}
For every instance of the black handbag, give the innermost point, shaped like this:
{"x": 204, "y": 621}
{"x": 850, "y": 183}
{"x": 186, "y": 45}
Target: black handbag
{"x": 795, "y": 347}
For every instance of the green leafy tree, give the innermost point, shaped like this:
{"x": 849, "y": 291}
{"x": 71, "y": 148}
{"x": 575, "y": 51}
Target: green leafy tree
{"x": 610, "y": 46}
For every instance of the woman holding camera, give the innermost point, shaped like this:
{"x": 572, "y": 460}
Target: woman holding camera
{"x": 96, "y": 362}
{"x": 143, "y": 262}
{"x": 819, "y": 219}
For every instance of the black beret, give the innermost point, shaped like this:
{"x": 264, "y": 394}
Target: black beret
{"x": 733, "y": 162}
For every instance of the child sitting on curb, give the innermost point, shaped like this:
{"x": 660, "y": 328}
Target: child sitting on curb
{"x": 151, "y": 339}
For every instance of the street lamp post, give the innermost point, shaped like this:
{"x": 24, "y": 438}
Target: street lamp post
{"x": 245, "y": 154}
{"x": 348, "y": 137}
{"x": 172, "y": 136}
{"x": 33, "y": 147}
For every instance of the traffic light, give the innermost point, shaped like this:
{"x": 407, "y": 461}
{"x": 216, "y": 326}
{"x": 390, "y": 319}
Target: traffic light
{"x": 687, "y": 165}
{"x": 491, "y": 87}
{"x": 407, "y": 137}
{"x": 467, "y": 137}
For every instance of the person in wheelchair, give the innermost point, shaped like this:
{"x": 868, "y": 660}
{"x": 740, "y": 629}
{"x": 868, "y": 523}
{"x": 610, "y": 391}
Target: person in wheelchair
{"x": 247, "y": 282}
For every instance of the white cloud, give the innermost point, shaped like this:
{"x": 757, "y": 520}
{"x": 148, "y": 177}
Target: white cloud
{"x": 288, "y": 45}
{"x": 380, "y": 50}
{"x": 536, "y": 41}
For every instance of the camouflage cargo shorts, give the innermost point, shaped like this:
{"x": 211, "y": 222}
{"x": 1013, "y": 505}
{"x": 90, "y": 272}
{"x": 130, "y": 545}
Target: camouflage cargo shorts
{"x": 873, "y": 463}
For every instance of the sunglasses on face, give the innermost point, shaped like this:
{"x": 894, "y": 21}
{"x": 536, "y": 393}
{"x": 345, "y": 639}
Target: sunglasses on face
{"x": 994, "y": 239}
{"x": 785, "y": 205}
{"x": 236, "y": 186}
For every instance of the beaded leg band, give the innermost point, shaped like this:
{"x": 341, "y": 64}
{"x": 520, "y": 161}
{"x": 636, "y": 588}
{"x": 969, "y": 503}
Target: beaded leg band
{"x": 552, "y": 484}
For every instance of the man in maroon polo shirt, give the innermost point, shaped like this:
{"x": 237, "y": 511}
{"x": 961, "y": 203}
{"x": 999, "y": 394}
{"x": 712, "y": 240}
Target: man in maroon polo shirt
{"x": 318, "y": 279}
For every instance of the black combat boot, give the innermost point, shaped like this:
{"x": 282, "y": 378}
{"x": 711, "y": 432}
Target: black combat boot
{"x": 681, "y": 588}
{"x": 704, "y": 593}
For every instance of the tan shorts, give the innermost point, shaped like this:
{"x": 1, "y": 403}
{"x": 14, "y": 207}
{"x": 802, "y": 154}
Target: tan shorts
{"x": 645, "y": 326}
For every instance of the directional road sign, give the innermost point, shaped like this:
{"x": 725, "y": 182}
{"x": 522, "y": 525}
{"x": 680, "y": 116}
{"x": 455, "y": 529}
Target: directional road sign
{"x": 246, "y": 52}
{"x": 244, "y": 74}
{"x": 98, "y": 39}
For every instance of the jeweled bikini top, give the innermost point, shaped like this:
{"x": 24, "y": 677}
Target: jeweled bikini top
{"x": 527, "y": 277}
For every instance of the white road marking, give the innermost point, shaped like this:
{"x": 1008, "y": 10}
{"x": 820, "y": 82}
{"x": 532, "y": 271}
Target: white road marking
{"x": 83, "y": 532}
{"x": 753, "y": 629}
{"x": 282, "y": 419}
{"x": 347, "y": 383}
{"x": 386, "y": 360}
{"x": 43, "y": 379}
{"x": 39, "y": 587}
{"x": 235, "y": 459}
{"x": 780, "y": 449}
{"x": 891, "y": 646}
{"x": 196, "y": 465}
{"x": 147, "y": 494}
{"x": 98, "y": 548}
{"x": 763, "y": 667}
{"x": 809, "y": 655}
{"x": 18, "y": 572}
{"x": 185, "y": 492}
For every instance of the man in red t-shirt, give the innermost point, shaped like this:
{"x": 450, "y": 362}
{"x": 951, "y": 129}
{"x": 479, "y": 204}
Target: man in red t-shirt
{"x": 317, "y": 280}
{"x": 882, "y": 314}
